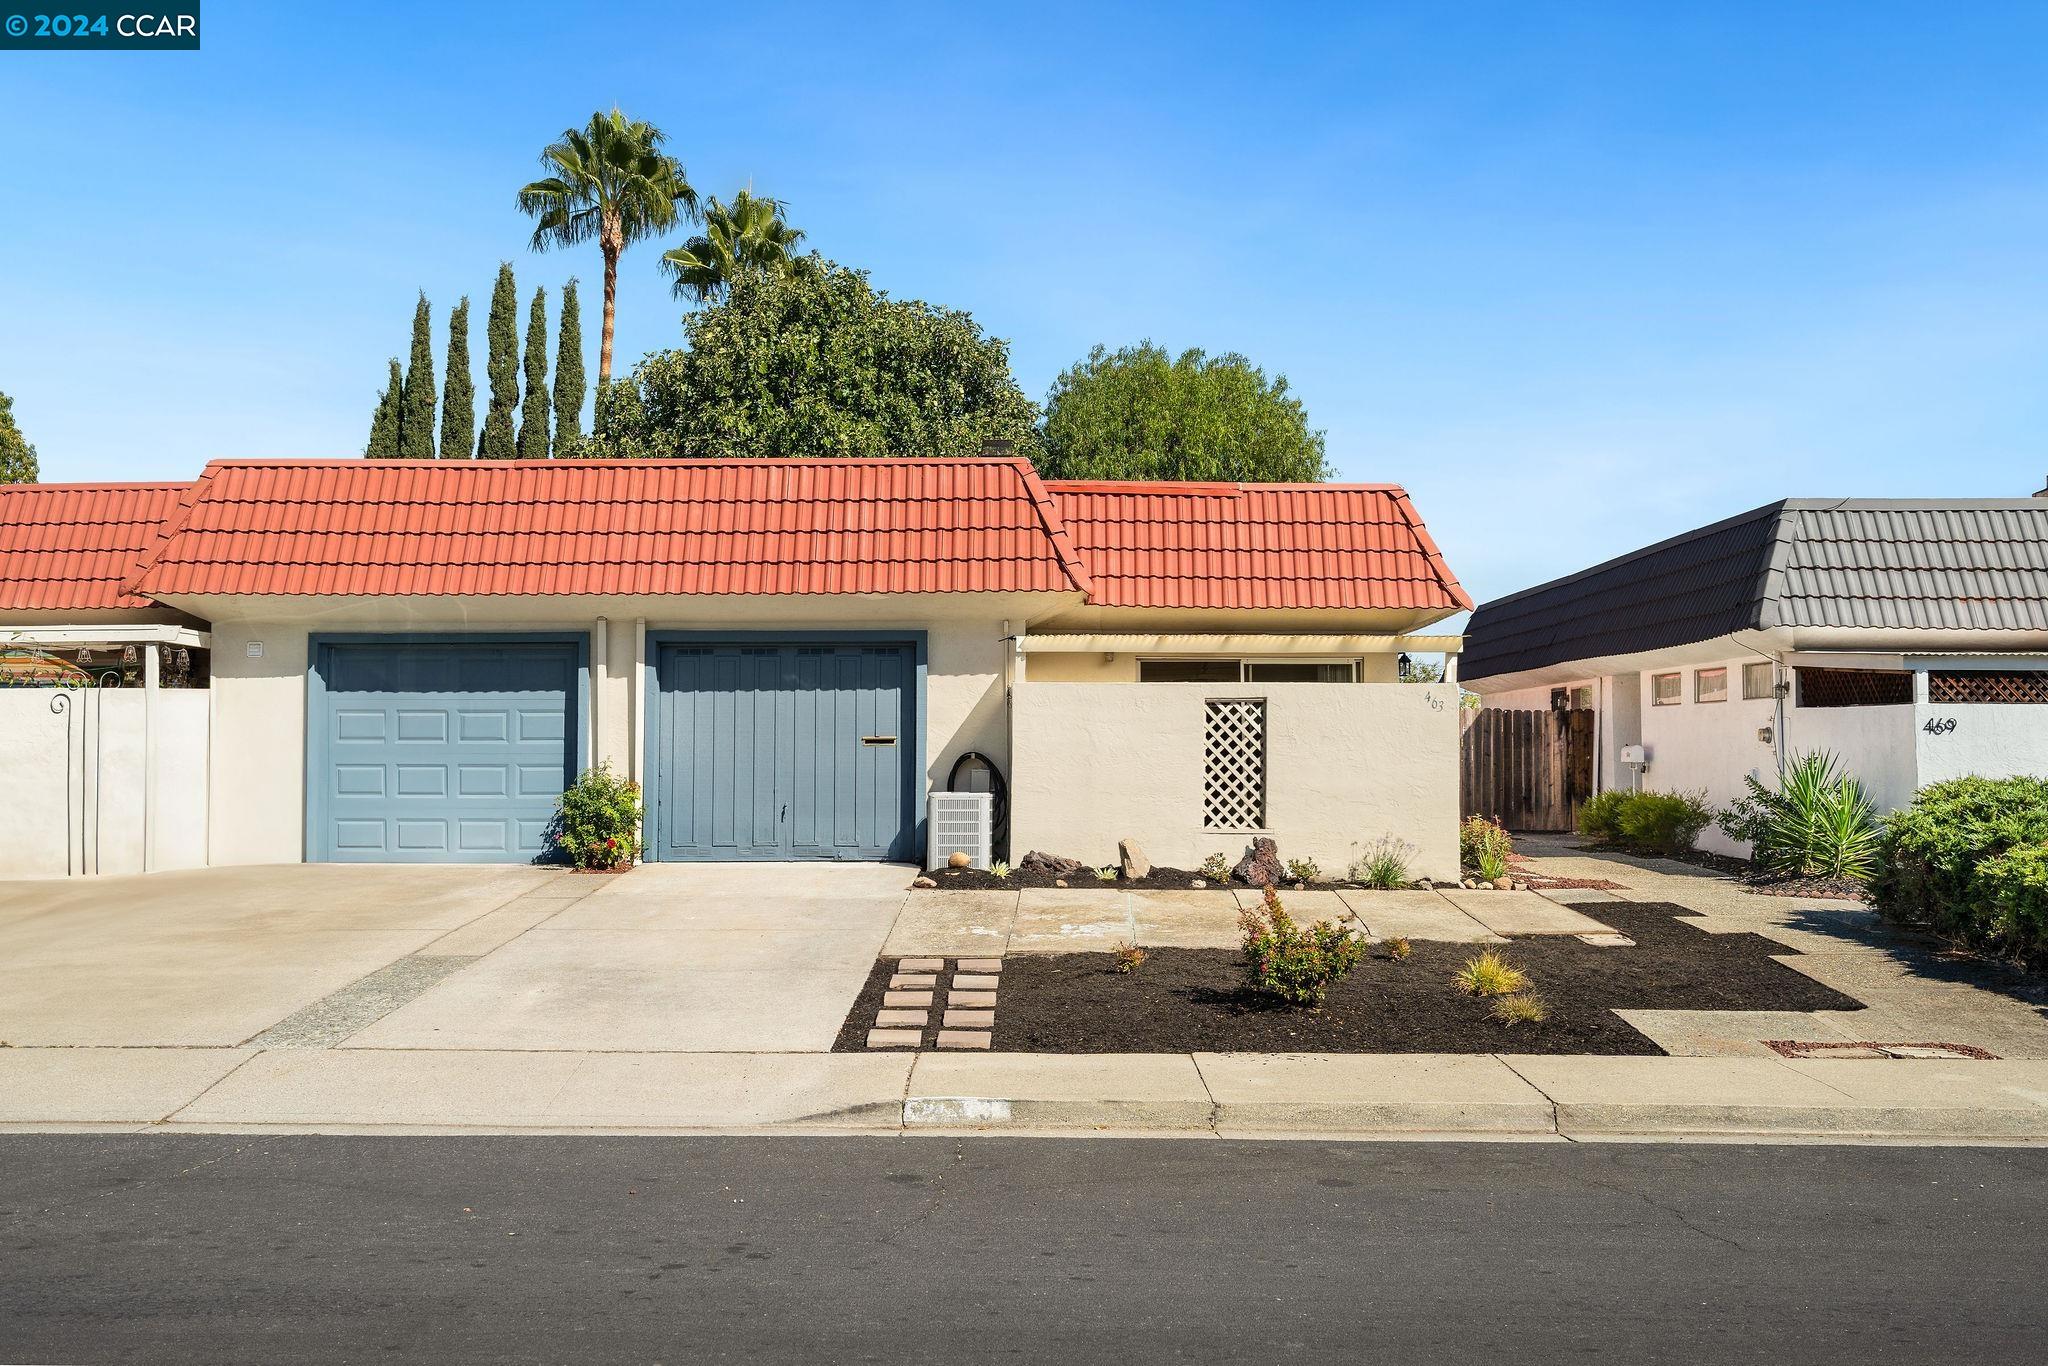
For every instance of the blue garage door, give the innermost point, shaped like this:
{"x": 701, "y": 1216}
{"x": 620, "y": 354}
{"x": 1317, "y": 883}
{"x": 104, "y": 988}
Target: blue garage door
{"x": 785, "y": 752}
{"x": 440, "y": 751}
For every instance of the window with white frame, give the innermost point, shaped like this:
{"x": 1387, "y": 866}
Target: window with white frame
{"x": 1666, "y": 690}
{"x": 1710, "y": 685}
{"x": 1757, "y": 682}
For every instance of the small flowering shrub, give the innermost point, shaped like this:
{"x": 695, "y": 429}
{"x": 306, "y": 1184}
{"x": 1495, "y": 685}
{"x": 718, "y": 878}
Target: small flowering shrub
{"x": 1304, "y": 870}
{"x": 597, "y": 822}
{"x": 1216, "y": 868}
{"x": 1484, "y": 846}
{"x": 1384, "y": 864}
{"x": 1294, "y": 963}
{"x": 1128, "y": 957}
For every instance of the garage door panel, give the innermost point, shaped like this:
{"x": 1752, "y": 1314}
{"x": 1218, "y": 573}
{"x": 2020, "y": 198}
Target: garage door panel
{"x": 443, "y": 751}
{"x": 762, "y": 752}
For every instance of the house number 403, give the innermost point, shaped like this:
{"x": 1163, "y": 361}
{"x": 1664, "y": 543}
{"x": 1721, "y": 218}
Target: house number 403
{"x": 1940, "y": 725}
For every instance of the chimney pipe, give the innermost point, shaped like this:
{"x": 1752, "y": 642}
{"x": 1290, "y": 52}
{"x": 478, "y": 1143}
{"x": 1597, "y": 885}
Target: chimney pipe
{"x": 2041, "y": 492}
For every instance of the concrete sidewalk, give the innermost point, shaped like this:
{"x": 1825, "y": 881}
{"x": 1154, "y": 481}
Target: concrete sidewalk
{"x": 1197, "y": 1095}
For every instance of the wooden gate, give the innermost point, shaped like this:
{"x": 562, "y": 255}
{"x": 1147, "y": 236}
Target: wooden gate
{"x": 1528, "y": 769}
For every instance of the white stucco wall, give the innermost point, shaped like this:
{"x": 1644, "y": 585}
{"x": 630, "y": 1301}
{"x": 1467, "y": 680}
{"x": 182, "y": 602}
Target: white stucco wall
{"x": 1704, "y": 746}
{"x": 258, "y": 766}
{"x": 73, "y": 801}
{"x": 1346, "y": 763}
{"x": 1989, "y": 741}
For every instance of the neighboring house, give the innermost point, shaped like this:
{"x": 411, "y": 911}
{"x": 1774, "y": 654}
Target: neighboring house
{"x": 406, "y": 661}
{"x": 1907, "y": 636}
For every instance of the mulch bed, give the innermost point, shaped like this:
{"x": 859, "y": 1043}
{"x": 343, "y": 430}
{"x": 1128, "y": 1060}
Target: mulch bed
{"x": 1159, "y": 879}
{"x": 1196, "y": 1000}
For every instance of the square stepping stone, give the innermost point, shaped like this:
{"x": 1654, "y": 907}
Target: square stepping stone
{"x": 1607, "y": 940}
{"x": 978, "y": 965}
{"x": 913, "y": 981}
{"x": 978, "y": 1000}
{"x": 970, "y": 1019}
{"x": 920, "y": 999}
{"x": 963, "y": 1038}
{"x": 914, "y": 1019}
{"x": 969, "y": 981}
{"x": 895, "y": 1038}
{"x": 920, "y": 965}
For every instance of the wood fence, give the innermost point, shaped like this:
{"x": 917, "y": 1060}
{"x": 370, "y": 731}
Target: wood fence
{"x": 1530, "y": 770}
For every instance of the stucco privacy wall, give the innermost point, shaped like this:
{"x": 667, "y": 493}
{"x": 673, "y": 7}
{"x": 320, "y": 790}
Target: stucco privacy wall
{"x": 1345, "y": 764}
{"x": 73, "y": 799}
{"x": 1990, "y": 741}
{"x": 259, "y": 764}
{"x": 1061, "y": 666}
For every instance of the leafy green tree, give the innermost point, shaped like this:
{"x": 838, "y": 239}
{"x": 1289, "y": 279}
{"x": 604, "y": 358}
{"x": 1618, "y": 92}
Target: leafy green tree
{"x": 18, "y": 463}
{"x": 608, "y": 180}
{"x": 384, "y": 421}
{"x": 416, "y": 400}
{"x": 751, "y": 234}
{"x": 501, "y": 369}
{"x": 818, "y": 363}
{"x": 533, "y": 414}
{"x": 570, "y": 384}
{"x": 458, "y": 394}
{"x": 1138, "y": 414}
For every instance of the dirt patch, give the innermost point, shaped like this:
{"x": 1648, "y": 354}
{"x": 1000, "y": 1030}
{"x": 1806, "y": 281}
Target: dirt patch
{"x": 1195, "y": 1000}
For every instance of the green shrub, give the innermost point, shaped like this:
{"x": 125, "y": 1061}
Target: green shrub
{"x": 1599, "y": 817}
{"x": 1663, "y": 822}
{"x": 1291, "y": 962}
{"x": 1216, "y": 868}
{"x": 1484, "y": 846}
{"x": 597, "y": 821}
{"x": 1647, "y": 822}
{"x": 1304, "y": 870}
{"x": 1818, "y": 823}
{"x": 1965, "y": 860}
{"x": 1383, "y": 865}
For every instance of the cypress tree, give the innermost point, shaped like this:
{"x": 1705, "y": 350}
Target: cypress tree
{"x": 384, "y": 422}
{"x": 416, "y": 401}
{"x": 533, "y": 415}
{"x": 501, "y": 369}
{"x": 458, "y": 395}
{"x": 569, "y": 379}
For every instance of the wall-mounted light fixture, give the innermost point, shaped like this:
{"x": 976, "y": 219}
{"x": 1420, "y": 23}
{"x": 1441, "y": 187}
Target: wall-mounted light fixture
{"x": 1404, "y": 667}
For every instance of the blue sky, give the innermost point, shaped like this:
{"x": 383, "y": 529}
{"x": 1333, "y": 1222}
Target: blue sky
{"x": 1580, "y": 276}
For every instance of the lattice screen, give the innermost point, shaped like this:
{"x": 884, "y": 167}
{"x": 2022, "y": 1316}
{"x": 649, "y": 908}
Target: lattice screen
{"x": 1234, "y": 765}
{"x": 1854, "y": 688}
{"x": 1988, "y": 685}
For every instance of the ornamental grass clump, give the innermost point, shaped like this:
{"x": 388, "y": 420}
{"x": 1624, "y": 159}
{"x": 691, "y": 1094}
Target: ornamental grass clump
{"x": 1293, "y": 963}
{"x": 1484, "y": 847}
{"x": 1490, "y": 975}
{"x": 1526, "y": 1008}
{"x": 597, "y": 821}
{"x": 1384, "y": 865}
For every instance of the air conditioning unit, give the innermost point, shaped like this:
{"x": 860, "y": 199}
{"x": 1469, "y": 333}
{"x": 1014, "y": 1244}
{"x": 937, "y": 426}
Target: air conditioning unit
{"x": 960, "y": 822}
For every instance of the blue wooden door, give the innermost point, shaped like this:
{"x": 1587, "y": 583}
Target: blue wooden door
{"x": 440, "y": 751}
{"x": 785, "y": 752}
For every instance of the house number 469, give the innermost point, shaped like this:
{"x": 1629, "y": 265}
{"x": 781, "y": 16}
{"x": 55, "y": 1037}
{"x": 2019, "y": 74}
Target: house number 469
{"x": 1940, "y": 725}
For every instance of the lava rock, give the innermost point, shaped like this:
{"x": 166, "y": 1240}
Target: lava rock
{"x": 1050, "y": 865}
{"x": 1261, "y": 867}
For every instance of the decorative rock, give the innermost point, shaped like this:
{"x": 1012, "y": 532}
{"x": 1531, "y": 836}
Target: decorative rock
{"x": 958, "y": 859}
{"x": 1050, "y": 865}
{"x": 1471, "y": 884}
{"x": 1261, "y": 867}
{"x": 1059, "y": 882}
{"x": 1501, "y": 884}
{"x": 1198, "y": 884}
{"x": 1132, "y": 859}
{"x": 1425, "y": 885}
{"x": 923, "y": 882}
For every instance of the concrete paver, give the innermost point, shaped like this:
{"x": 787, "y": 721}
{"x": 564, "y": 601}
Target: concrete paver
{"x": 107, "y": 1085}
{"x": 1173, "y": 919}
{"x": 1730, "y": 1033}
{"x": 1510, "y": 913}
{"x": 1416, "y": 915}
{"x": 1050, "y": 920}
{"x": 947, "y": 924}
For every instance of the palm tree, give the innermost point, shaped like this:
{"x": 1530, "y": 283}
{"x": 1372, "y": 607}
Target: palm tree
{"x": 611, "y": 181}
{"x": 750, "y": 235}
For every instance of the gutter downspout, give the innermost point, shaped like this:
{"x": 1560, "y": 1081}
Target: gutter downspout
{"x": 600, "y": 674}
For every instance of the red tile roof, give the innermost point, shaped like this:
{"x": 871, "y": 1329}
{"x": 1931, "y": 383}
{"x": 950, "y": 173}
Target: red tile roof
{"x": 380, "y": 528}
{"x": 1348, "y": 546}
{"x": 67, "y": 547}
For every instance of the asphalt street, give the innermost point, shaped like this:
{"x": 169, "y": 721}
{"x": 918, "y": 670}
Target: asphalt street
{"x": 189, "y": 1248}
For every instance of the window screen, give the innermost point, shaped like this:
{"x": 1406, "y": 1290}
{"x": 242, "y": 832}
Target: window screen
{"x": 1187, "y": 671}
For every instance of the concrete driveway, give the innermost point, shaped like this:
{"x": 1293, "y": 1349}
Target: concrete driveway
{"x": 699, "y": 958}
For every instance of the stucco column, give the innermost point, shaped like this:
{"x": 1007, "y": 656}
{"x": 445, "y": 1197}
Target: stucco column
{"x": 600, "y": 675}
{"x": 152, "y": 664}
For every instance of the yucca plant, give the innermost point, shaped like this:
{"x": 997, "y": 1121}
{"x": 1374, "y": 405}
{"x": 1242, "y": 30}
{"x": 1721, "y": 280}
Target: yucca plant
{"x": 1818, "y": 823}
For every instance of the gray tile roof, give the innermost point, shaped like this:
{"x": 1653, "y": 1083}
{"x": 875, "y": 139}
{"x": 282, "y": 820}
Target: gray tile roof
{"x": 1872, "y": 563}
